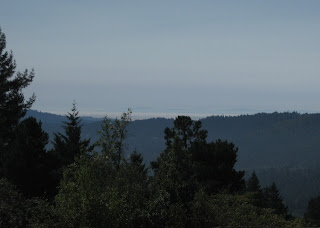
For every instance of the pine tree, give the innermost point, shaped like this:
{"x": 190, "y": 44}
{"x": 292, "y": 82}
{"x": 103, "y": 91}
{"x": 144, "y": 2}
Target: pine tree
{"x": 13, "y": 105}
{"x": 253, "y": 184}
{"x": 274, "y": 200}
{"x": 69, "y": 145}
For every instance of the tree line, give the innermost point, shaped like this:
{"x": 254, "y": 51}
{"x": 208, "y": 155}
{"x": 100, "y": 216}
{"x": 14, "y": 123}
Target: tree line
{"x": 79, "y": 183}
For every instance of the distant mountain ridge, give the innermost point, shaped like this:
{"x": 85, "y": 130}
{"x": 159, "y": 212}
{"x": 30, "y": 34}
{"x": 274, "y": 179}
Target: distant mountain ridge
{"x": 265, "y": 139}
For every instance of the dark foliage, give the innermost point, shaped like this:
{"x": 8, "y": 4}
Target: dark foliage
{"x": 26, "y": 161}
{"x": 274, "y": 200}
{"x": 253, "y": 183}
{"x": 187, "y": 165}
{"x": 13, "y": 106}
{"x": 69, "y": 145}
{"x": 312, "y": 214}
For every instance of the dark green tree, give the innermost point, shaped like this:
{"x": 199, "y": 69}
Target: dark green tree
{"x": 187, "y": 131}
{"x": 214, "y": 166}
{"x": 13, "y": 105}
{"x": 26, "y": 161}
{"x": 312, "y": 214}
{"x": 274, "y": 200}
{"x": 253, "y": 183}
{"x": 172, "y": 187}
{"x": 66, "y": 147}
{"x": 188, "y": 164}
{"x": 69, "y": 145}
{"x": 253, "y": 187}
{"x": 212, "y": 163}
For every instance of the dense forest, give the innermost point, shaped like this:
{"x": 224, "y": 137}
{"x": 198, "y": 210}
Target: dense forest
{"x": 104, "y": 182}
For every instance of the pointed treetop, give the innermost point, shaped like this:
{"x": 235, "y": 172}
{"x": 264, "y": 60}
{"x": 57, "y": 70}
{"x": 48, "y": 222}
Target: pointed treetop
{"x": 253, "y": 183}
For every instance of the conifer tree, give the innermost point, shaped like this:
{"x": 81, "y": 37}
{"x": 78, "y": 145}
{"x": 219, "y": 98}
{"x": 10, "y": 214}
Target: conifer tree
{"x": 70, "y": 144}
{"x": 253, "y": 186}
{"x": 253, "y": 183}
{"x": 13, "y": 105}
{"x": 274, "y": 200}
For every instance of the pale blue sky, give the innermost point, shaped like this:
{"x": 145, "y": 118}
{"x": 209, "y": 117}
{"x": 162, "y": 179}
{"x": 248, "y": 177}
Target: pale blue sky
{"x": 203, "y": 57}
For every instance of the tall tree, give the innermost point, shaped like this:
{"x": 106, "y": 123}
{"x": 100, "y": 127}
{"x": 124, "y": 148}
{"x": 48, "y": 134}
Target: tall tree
{"x": 173, "y": 186}
{"x": 213, "y": 163}
{"x": 253, "y": 183}
{"x": 274, "y": 200}
{"x": 13, "y": 105}
{"x": 69, "y": 145}
{"x": 253, "y": 187}
{"x": 66, "y": 147}
{"x": 188, "y": 164}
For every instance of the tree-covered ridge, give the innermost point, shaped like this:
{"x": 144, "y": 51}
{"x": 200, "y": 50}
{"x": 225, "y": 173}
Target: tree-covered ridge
{"x": 294, "y": 137}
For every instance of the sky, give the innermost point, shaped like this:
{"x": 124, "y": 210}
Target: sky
{"x": 163, "y": 58}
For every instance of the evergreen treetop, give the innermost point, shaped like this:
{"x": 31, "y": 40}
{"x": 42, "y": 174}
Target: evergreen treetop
{"x": 69, "y": 145}
{"x": 253, "y": 183}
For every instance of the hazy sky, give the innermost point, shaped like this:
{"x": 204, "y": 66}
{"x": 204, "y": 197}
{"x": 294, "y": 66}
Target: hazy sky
{"x": 204, "y": 57}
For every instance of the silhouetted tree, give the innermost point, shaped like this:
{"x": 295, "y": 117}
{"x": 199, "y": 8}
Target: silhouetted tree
{"x": 274, "y": 200}
{"x": 188, "y": 164}
{"x": 69, "y": 145}
{"x": 25, "y": 163}
{"x": 253, "y": 183}
{"x": 186, "y": 130}
{"x": 66, "y": 147}
{"x": 13, "y": 106}
{"x": 253, "y": 186}
{"x": 214, "y": 166}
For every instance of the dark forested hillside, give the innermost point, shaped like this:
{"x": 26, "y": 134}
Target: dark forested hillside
{"x": 270, "y": 140}
{"x": 281, "y": 147}
{"x": 264, "y": 140}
